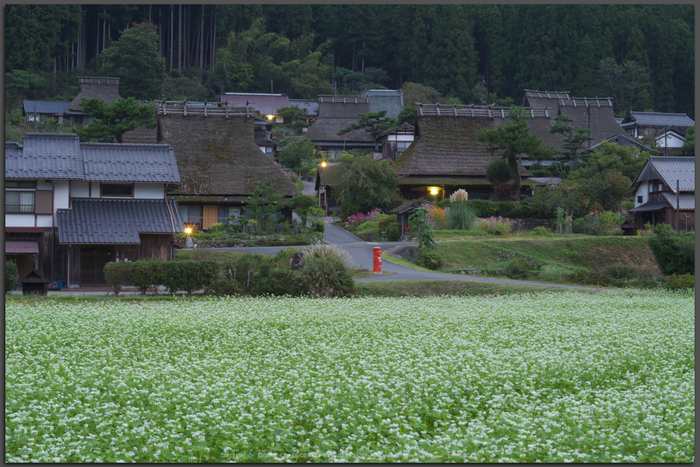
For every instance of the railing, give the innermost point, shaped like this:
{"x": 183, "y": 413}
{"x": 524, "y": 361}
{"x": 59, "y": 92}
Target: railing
{"x": 19, "y": 209}
{"x": 207, "y": 109}
{"x": 474, "y": 111}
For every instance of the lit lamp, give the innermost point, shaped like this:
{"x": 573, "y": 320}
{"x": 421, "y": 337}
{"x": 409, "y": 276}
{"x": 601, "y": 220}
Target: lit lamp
{"x": 323, "y": 164}
{"x": 433, "y": 191}
{"x": 188, "y": 230}
{"x": 270, "y": 117}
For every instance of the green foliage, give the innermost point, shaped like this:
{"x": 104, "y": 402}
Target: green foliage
{"x": 542, "y": 232}
{"x": 23, "y": 85}
{"x": 354, "y": 81}
{"x": 429, "y": 259}
{"x": 628, "y": 84}
{"x": 521, "y": 267}
{"x": 689, "y": 145}
{"x": 11, "y": 275}
{"x": 295, "y": 154}
{"x": 573, "y": 142}
{"x": 426, "y": 236}
{"x": 385, "y": 220}
{"x": 460, "y": 216}
{"x": 116, "y": 273}
{"x": 188, "y": 275}
{"x": 680, "y": 282}
{"x": 111, "y": 121}
{"x": 146, "y": 273}
{"x": 374, "y": 123}
{"x": 674, "y": 251}
{"x": 291, "y": 111}
{"x": 621, "y": 271}
{"x": 325, "y": 274}
{"x": 135, "y": 59}
{"x": 407, "y": 115}
{"x": 498, "y": 171}
{"x": 263, "y": 204}
{"x": 276, "y": 282}
{"x": 610, "y": 157}
{"x": 511, "y": 139}
{"x": 363, "y": 183}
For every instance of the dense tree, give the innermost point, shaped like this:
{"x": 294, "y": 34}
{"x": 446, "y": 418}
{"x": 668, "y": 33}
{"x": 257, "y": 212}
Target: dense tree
{"x": 374, "y": 123}
{"x": 111, "y": 121}
{"x": 689, "y": 145}
{"x": 512, "y": 138}
{"x": 628, "y": 84}
{"x": 573, "y": 139}
{"x": 295, "y": 154}
{"x": 626, "y": 160}
{"x": 134, "y": 59}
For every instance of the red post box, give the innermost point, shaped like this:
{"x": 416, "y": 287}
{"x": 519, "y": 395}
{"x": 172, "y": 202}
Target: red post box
{"x": 377, "y": 260}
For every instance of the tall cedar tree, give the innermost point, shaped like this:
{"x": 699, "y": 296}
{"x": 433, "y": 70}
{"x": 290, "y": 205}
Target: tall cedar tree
{"x": 134, "y": 58}
{"x": 573, "y": 142}
{"x": 513, "y": 138}
{"x": 113, "y": 120}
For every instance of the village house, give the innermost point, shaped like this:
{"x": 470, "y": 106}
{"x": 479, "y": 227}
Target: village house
{"x": 71, "y": 207}
{"x": 446, "y": 156}
{"x": 267, "y": 145}
{"x": 219, "y": 162}
{"x": 266, "y": 105}
{"x": 395, "y": 141}
{"x": 653, "y": 124}
{"x": 103, "y": 88}
{"x": 665, "y": 193}
{"x": 622, "y": 139}
{"x": 334, "y": 114}
{"x": 44, "y": 111}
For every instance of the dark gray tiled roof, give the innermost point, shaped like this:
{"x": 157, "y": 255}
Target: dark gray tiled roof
{"x": 63, "y": 156}
{"x": 385, "y": 99}
{"x": 652, "y": 206}
{"x": 669, "y": 169}
{"x": 623, "y": 140}
{"x": 658, "y": 119}
{"x": 311, "y": 106}
{"x": 130, "y": 162}
{"x": 46, "y": 155}
{"x": 116, "y": 220}
{"x": 45, "y": 107}
{"x": 686, "y": 200}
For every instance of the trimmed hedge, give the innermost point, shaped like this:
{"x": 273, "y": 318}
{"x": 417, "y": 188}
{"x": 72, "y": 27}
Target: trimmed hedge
{"x": 11, "y": 276}
{"x": 175, "y": 275}
{"x": 116, "y": 273}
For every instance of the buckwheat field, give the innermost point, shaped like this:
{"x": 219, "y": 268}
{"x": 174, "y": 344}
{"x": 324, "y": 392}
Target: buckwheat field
{"x": 563, "y": 377}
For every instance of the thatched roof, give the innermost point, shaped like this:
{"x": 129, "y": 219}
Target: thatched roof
{"x": 336, "y": 113}
{"x": 594, "y": 113}
{"x": 92, "y": 87}
{"x": 447, "y": 146}
{"x": 218, "y": 155}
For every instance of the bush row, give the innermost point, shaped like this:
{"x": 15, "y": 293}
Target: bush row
{"x": 510, "y": 209}
{"x": 189, "y": 276}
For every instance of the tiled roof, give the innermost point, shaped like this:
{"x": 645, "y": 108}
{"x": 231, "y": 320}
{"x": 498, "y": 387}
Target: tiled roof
{"x": 63, "y": 156}
{"x": 130, "y": 162}
{"x": 686, "y": 200}
{"x": 45, "y": 107}
{"x": 658, "y": 119}
{"x": 46, "y": 155}
{"x": 669, "y": 169}
{"x": 311, "y": 106}
{"x": 116, "y": 220}
{"x": 385, "y": 99}
{"x": 623, "y": 140}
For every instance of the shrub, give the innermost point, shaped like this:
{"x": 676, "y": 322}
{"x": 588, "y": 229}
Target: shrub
{"x": 621, "y": 271}
{"x": 325, "y": 274}
{"x": 11, "y": 275}
{"x": 542, "y": 232}
{"x": 460, "y": 216}
{"x": 429, "y": 259}
{"x": 189, "y": 275}
{"x": 394, "y": 232}
{"x": 386, "y": 220}
{"x": 521, "y": 266}
{"x": 684, "y": 282}
{"x": 276, "y": 282}
{"x": 116, "y": 273}
{"x": 223, "y": 285}
{"x": 437, "y": 216}
{"x": 674, "y": 252}
{"x": 553, "y": 273}
{"x": 498, "y": 171}
{"x": 146, "y": 273}
{"x": 495, "y": 225}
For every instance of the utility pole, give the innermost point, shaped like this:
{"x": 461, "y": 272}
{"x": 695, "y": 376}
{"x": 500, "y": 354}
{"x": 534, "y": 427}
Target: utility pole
{"x": 482, "y": 90}
{"x": 678, "y": 206}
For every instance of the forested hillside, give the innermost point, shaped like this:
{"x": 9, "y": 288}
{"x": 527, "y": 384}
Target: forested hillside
{"x": 641, "y": 55}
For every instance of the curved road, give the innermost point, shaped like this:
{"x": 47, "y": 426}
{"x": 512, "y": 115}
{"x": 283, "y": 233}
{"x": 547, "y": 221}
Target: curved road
{"x": 361, "y": 256}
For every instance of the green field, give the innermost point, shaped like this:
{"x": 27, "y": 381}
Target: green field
{"x": 550, "y": 377}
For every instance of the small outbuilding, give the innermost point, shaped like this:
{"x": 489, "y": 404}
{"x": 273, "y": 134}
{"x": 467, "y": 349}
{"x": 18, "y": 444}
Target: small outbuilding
{"x": 35, "y": 283}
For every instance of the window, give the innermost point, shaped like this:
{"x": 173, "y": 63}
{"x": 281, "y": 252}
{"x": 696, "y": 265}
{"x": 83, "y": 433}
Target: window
{"x": 19, "y": 202}
{"x": 19, "y": 184}
{"x": 640, "y": 199}
{"x": 268, "y": 149}
{"x": 117, "y": 190}
{"x": 191, "y": 213}
{"x": 402, "y": 145}
{"x": 225, "y": 211}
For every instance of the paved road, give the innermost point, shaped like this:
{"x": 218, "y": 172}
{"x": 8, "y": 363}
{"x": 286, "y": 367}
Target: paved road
{"x": 361, "y": 255}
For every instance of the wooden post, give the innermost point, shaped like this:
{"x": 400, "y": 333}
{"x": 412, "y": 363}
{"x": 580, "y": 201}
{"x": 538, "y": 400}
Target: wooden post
{"x": 678, "y": 206}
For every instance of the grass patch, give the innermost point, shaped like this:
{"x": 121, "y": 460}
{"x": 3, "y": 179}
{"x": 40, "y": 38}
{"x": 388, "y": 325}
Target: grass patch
{"x": 458, "y": 235}
{"x": 430, "y": 288}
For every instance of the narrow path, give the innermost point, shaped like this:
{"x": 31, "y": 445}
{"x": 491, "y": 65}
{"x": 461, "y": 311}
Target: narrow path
{"x": 361, "y": 256}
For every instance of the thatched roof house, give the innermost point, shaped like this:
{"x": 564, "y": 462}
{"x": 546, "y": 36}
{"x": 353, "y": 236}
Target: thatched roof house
{"x": 594, "y": 113}
{"x": 89, "y": 87}
{"x": 446, "y": 155}
{"x": 334, "y": 114}
{"x": 220, "y": 165}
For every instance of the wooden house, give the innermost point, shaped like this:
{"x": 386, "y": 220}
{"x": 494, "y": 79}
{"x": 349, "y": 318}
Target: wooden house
{"x": 334, "y": 114}
{"x": 219, "y": 161}
{"x": 43, "y": 111}
{"x": 653, "y": 124}
{"x": 395, "y": 141}
{"x": 665, "y": 193}
{"x": 103, "y": 88}
{"x": 446, "y": 156}
{"x": 267, "y": 145}
{"x": 593, "y": 113}
{"x": 71, "y": 207}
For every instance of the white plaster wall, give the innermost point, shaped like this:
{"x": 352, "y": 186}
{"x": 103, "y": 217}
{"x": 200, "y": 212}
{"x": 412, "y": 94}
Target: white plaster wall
{"x": 61, "y": 195}
{"x": 19, "y": 220}
{"x": 642, "y": 191}
{"x": 79, "y": 189}
{"x": 44, "y": 220}
{"x": 95, "y": 190}
{"x": 672, "y": 141}
{"x": 149, "y": 190}
{"x": 404, "y": 137}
